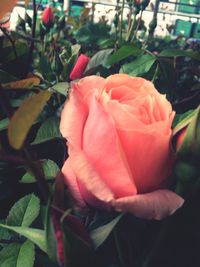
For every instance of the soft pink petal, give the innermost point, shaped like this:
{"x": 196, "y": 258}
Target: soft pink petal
{"x": 147, "y": 147}
{"x": 71, "y": 182}
{"x": 122, "y": 92}
{"x": 92, "y": 188}
{"x": 137, "y": 84}
{"x": 121, "y": 114}
{"x": 89, "y": 85}
{"x": 130, "y": 118}
{"x": 73, "y": 118}
{"x": 156, "y": 205}
{"x": 150, "y": 157}
{"x": 103, "y": 150}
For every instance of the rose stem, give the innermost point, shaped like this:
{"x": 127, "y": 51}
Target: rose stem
{"x": 30, "y": 55}
{"x": 118, "y": 247}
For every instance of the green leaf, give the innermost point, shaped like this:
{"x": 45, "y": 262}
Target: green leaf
{"x": 4, "y": 124}
{"x": 182, "y": 120}
{"x": 139, "y": 66}
{"x": 100, "y": 58}
{"x": 48, "y": 131}
{"x": 26, "y": 255}
{"x": 50, "y": 237}
{"x": 185, "y": 172}
{"x": 4, "y": 233}
{"x": 62, "y": 88}
{"x": 24, "y": 211}
{"x": 100, "y": 234}
{"x": 9, "y": 254}
{"x": 179, "y": 53}
{"x": 68, "y": 66}
{"x": 122, "y": 53}
{"x": 45, "y": 67}
{"x": 16, "y": 255}
{"x": 50, "y": 169}
{"x": 24, "y": 117}
{"x": 75, "y": 49}
{"x": 37, "y": 236}
{"x": 191, "y": 142}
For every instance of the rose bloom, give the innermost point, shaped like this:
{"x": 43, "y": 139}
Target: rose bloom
{"x": 118, "y": 133}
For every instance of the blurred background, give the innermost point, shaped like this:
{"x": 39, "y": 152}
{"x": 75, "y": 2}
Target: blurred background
{"x": 180, "y": 17}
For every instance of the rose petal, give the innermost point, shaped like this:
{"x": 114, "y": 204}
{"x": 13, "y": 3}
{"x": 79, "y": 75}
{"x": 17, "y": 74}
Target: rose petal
{"x": 122, "y": 92}
{"x": 92, "y": 188}
{"x": 73, "y": 118}
{"x": 150, "y": 158}
{"x": 89, "y": 85}
{"x": 102, "y": 147}
{"x": 128, "y": 118}
{"x": 71, "y": 182}
{"x": 156, "y": 205}
{"x": 137, "y": 84}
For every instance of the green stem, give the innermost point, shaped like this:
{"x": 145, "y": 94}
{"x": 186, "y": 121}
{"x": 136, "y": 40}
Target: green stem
{"x": 118, "y": 247}
{"x": 30, "y": 55}
{"x": 155, "y": 73}
{"x": 157, "y": 245}
{"x": 131, "y": 29}
{"x": 137, "y": 27}
{"x": 121, "y": 21}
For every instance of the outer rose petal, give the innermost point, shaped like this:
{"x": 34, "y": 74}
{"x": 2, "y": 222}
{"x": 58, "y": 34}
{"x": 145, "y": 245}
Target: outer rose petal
{"x": 73, "y": 118}
{"x": 92, "y": 188}
{"x": 89, "y": 85}
{"x": 156, "y": 205}
{"x": 102, "y": 147}
{"x": 150, "y": 158}
{"x": 71, "y": 182}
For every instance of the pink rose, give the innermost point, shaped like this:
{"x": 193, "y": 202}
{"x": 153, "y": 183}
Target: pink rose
{"x": 79, "y": 67}
{"x": 119, "y": 143}
{"x": 48, "y": 17}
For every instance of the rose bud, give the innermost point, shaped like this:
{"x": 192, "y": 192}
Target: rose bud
{"x": 79, "y": 67}
{"x": 48, "y": 17}
{"x": 120, "y": 151}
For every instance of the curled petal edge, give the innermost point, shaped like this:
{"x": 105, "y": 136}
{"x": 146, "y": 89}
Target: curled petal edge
{"x": 155, "y": 205}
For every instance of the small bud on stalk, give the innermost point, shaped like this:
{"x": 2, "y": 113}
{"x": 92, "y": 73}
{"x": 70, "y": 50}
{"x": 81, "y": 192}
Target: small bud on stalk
{"x": 48, "y": 17}
{"x": 79, "y": 67}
